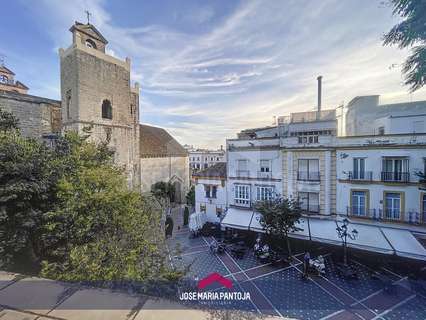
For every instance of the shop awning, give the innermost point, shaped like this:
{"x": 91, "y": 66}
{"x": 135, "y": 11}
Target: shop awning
{"x": 405, "y": 243}
{"x": 370, "y": 237}
{"x": 237, "y": 218}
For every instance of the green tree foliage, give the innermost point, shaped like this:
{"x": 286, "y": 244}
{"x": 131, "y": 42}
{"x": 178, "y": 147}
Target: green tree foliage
{"x": 27, "y": 184}
{"x": 163, "y": 190}
{"x": 410, "y": 32}
{"x": 279, "y": 217}
{"x": 190, "y": 197}
{"x": 69, "y": 209}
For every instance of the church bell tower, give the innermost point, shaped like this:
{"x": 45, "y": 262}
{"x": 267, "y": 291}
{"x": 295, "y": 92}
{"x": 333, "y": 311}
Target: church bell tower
{"x": 96, "y": 91}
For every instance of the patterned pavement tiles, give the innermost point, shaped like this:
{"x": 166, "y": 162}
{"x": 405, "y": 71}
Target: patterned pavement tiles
{"x": 249, "y": 261}
{"x": 385, "y": 300}
{"x": 256, "y": 295}
{"x": 413, "y": 309}
{"x": 359, "y": 311}
{"x": 202, "y": 264}
{"x": 357, "y": 288}
{"x": 293, "y": 297}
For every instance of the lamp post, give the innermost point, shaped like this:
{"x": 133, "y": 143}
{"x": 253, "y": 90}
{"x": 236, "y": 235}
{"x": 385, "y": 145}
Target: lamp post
{"x": 344, "y": 234}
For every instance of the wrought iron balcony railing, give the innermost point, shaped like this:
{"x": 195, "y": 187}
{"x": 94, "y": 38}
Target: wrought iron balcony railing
{"x": 395, "y": 176}
{"x": 360, "y": 175}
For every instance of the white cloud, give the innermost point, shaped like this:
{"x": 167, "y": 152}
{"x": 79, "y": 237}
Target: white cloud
{"x": 259, "y": 61}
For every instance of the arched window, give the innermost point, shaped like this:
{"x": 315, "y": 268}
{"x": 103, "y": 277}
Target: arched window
{"x": 3, "y": 78}
{"x": 106, "y": 109}
{"x": 90, "y": 43}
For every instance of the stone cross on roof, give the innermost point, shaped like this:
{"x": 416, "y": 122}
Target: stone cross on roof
{"x": 88, "y": 16}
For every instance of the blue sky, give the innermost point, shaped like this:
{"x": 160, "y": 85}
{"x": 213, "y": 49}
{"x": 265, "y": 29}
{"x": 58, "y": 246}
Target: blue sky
{"x": 211, "y": 68}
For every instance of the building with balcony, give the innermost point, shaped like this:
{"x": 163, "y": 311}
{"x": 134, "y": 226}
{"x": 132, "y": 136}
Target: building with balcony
{"x": 378, "y": 177}
{"x": 210, "y": 192}
{"x": 309, "y": 161}
{"x": 253, "y": 173}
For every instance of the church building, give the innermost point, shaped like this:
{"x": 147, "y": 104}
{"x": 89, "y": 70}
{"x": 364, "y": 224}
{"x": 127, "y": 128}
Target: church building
{"x": 97, "y": 93}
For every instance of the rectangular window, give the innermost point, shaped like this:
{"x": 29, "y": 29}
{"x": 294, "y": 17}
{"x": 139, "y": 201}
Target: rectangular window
{"x": 265, "y": 193}
{"x": 242, "y": 194}
{"x": 395, "y": 169}
{"x": 241, "y": 165}
{"x": 392, "y": 205}
{"x": 202, "y": 207}
{"x": 242, "y": 168}
{"x": 309, "y": 201}
{"x": 359, "y": 203}
{"x": 207, "y": 189}
{"x": 214, "y": 191}
{"x": 359, "y": 169}
{"x": 308, "y": 170}
{"x": 68, "y": 104}
{"x": 265, "y": 166}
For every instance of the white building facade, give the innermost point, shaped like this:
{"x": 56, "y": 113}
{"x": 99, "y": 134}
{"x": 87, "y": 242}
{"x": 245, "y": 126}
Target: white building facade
{"x": 200, "y": 159}
{"x": 378, "y": 177}
{"x": 210, "y": 192}
{"x": 254, "y": 168}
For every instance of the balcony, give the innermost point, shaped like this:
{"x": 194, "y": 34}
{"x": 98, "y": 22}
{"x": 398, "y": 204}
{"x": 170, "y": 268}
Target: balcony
{"x": 395, "y": 176}
{"x": 362, "y": 212}
{"x": 360, "y": 175}
{"x": 264, "y": 175}
{"x": 308, "y": 176}
{"x": 411, "y": 217}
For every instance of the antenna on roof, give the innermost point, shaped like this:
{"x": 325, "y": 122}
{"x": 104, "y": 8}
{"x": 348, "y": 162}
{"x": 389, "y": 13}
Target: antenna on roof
{"x": 88, "y": 16}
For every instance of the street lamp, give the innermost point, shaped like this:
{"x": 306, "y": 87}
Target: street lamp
{"x": 342, "y": 232}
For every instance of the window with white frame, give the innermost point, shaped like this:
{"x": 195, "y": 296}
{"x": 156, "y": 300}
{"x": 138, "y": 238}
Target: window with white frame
{"x": 395, "y": 169}
{"x": 264, "y": 193}
{"x": 359, "y": 169}
{"x": 242, "y": 194}
{"x": 265, "y": 165}
{"x": 393, "y": 205}
{"x": 242, "y": 168}
{"x": 359, "y": 203}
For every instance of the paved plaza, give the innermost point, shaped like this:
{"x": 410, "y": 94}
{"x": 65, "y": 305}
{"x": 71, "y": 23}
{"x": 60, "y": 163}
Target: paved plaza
{"x": 280, "y": 290}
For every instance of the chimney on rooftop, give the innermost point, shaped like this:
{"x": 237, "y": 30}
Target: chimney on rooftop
{"x": 319, "y": 78}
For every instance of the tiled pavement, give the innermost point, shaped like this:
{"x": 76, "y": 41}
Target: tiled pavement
{"x": 274, "y": 290}
{"x": 280, "y": 290}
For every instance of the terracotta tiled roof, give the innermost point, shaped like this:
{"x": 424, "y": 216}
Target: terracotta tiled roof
{"x": 157, "y": 142}
{"x": 217, "y": 170}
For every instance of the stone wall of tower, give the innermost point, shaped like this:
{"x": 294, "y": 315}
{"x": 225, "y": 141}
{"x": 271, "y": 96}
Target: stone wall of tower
{"x": 88, "y": 77}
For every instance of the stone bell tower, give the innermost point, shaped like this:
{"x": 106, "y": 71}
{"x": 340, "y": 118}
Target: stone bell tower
{"x": 96, "y": 91}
